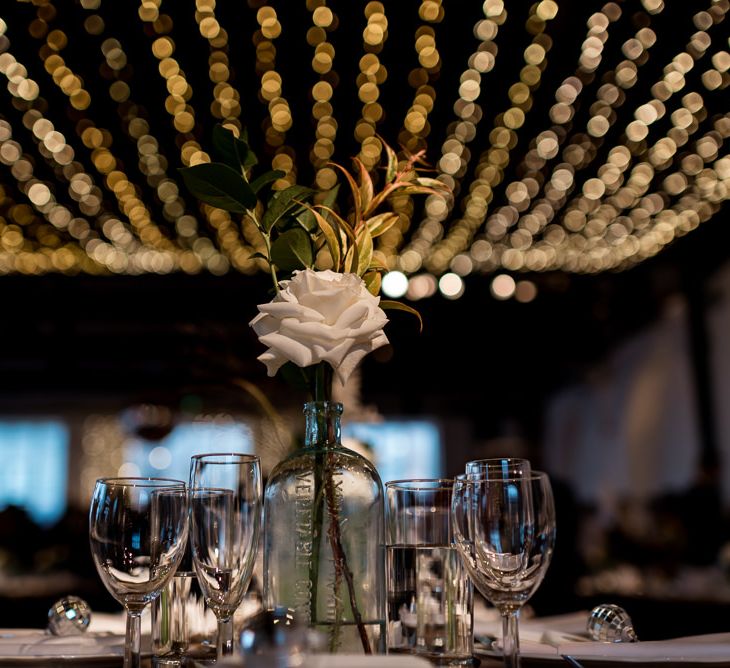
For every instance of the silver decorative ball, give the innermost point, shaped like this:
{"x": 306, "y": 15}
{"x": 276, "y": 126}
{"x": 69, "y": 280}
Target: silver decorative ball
{"x": 610, "y": 623}
{"x": 69, "y": 616}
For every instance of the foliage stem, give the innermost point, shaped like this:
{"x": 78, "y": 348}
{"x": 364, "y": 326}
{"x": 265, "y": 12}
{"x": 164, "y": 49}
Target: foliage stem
{"x": 267, "y": 242}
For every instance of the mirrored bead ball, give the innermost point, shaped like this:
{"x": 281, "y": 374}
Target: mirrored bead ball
{"x": 610, "y": 623}
{"x": 69, "y": 616}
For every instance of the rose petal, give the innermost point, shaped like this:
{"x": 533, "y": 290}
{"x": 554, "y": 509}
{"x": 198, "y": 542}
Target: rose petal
{"x": 290, "y": 310}
{"x": 292, "y": 350}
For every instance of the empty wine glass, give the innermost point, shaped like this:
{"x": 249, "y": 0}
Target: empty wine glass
{"x": 506, "y": 467}
{"x": 225, "y": 505}
{"x": 504, "y": 529}
{"x": 137, "y": 532}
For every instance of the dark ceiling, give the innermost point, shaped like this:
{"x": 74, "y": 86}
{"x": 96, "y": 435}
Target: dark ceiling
{"x": 87, "y": 340}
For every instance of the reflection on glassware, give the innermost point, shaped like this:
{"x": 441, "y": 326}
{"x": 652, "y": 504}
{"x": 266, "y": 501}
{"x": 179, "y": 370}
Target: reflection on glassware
{"x": 183, "y": 627}
{"x": 137, "y": 532}
{"x": 505, "y": 467}
{"x": 430, "y": 610}
{"x": 504, "y": 529}
{"x": 225, "y": 513}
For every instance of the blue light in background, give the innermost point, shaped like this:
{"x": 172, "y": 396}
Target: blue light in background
{"x": 402, "y": 449}
{"x": 170, "y": 457}
{"x": 34, "y": 468}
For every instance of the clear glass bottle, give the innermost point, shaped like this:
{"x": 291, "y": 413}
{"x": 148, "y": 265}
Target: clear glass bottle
{"x": 324, "y": 538}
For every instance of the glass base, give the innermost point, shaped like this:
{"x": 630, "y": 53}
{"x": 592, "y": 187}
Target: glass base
{"x": 437, "y": 659}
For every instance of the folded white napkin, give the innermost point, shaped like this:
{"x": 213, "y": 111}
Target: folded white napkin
{"x": 711, "y": 647}
{"x": 353, "y": 661}
{"x": 546, "y": 630}
{"x": 357, "y": 661}
{"x": 33, "y": 642}
{"x": 566, "y": 635}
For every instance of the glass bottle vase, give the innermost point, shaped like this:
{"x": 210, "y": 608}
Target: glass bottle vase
{"x": 324, "y": 538}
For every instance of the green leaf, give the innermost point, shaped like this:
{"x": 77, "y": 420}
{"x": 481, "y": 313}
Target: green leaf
{"x": 292, "y": 250}
{"x": 398, "y": 306}
{"x": 258, "y": 256}
{"x": 233, "y": 151}
{"x": 281, "y": 203}
{"x": 219, "y": 185}
{"x": 306, "y": 218}
{"x": 266, "y": 178}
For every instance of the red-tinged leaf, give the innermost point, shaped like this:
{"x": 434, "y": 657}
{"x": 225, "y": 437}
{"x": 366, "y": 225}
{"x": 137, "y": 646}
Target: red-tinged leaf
{"x": 372, "y": 282}
{"x": 366, "y": 186}
{"x": 388, "y": 304}
{"x": 349, "y": 259}
{"x": 341, "y": 222}
{"x": 330, "y": 236}
{"x": 375, "y": 265}
{"x": 364, "y": 250}
{"x": 382, "y": 223}
{"x": 432, "y": 183}
{"x": 381, "y": 197}
{"x": 392, "y": 167}
{"x": 417, "y": 190}
{"x": 357, "y": 200}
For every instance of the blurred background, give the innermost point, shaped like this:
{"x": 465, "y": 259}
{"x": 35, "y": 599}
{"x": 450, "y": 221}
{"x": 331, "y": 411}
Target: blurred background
{"x": 575, "y": 290}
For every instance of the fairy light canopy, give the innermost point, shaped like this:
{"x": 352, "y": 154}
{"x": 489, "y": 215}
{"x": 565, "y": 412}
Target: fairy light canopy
{"x": 575, "y": 137}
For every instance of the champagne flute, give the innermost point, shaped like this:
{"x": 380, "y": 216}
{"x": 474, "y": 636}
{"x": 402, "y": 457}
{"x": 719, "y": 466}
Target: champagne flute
{"x": 504, "y": 529}
{"x": 137, "y": 533}
{"x": 225, "y": 505}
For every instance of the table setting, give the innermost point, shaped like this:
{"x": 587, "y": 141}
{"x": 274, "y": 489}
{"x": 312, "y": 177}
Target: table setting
{"x": 492, "y": 529}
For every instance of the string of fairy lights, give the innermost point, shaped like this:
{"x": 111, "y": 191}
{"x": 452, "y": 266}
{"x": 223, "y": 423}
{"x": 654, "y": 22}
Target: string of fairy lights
{"x": 629, "y": 154}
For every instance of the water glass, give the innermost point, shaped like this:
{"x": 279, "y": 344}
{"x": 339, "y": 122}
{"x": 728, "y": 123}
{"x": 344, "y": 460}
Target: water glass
{"x": 184, "y": 628}
{"x": 430, "y": 606}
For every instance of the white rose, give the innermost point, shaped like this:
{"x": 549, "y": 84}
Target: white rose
{"x": 320, "y": 316}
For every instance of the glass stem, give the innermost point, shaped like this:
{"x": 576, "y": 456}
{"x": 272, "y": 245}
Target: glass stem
{"x": 511, "y": 639}
{"x": 225, "y": 637}
{"x": 133, "y": 642}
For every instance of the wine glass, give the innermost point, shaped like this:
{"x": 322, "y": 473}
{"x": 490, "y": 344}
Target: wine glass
{"x": 225, "y": 513}
{"x": 137, "y": 532}
{"x": 504, "y": 529}
{"x": 509, "y": 467}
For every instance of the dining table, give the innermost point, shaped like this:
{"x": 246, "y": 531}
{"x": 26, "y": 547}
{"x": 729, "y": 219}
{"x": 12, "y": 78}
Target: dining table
{"x": 556, "y": 641}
